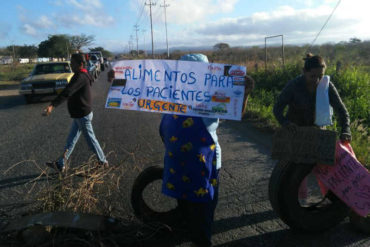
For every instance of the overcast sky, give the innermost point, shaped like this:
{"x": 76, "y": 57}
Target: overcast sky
{"x": 190, "y": 22}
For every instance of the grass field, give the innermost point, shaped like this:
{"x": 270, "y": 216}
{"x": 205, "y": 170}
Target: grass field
{"x": 14, "y": 74}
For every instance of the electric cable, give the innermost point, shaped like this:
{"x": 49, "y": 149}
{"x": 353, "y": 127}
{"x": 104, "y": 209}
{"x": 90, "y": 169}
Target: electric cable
{"x": 322, "y": 28}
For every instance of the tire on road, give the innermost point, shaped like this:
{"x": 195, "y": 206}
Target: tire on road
{"x": 283, "y": 193}
{"x": 361, "y": 224}
{"x": 275, "y": 189}
{"x": 29, "y": 99}
{"x": 141, "y": 209}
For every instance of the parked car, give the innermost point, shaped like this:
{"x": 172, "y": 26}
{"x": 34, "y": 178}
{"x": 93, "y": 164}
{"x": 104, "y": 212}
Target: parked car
{"x": 46, "y": 79}
{"x": 92, "y": 69}
{"x": 106, "y": 63}
{"x": 99, "y": 56}
{"x": 96, "y": 61}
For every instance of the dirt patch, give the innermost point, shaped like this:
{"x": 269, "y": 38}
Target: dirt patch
{"x": 9, "y": 92}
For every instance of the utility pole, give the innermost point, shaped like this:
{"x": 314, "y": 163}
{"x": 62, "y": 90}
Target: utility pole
{"x": 143, "y": 31}
{"x": 130, "y": 43}
{"x": 165, "y": 23}
{"x": 13, "y": 53}
{"x": 151, "y": 23}
{"x": 14, "y": 63}
{"x": 67, "y": 50}
{"x": 137, "y": 40}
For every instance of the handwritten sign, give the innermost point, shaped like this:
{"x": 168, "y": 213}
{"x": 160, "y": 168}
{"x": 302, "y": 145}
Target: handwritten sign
{"x": 348, "y": 179}
{"x": 307, "y": 145}
{"x": 178, "y": 87}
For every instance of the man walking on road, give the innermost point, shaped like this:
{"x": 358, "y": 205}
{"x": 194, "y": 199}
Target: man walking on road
{"x": 78, "y": 93}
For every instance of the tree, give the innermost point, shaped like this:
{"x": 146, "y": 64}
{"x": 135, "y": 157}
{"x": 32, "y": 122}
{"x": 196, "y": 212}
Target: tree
{"x": 103, "y": 51}
{"x": 12, "y": 50}
{"x": 4, "y": 52}
{"x": 221, "y": 46}
{"x": 79, "y": 41}
{"x": 133, "y": 53}
{"x": 55, "y": 46}
{"x": 28, "y": 51}
{"x": 354, "y": 40}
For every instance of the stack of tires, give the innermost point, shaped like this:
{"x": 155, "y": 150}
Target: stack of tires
{"x": 285, "y": 181}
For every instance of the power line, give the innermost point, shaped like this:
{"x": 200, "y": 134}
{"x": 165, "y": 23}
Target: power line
{"x": 141, "y": 13}
{"x": 151, "y": 23}
{"x": 326, "y": 22}
{"x": 165, "y": 6}
{"x": 137, "y": 40}
{"x": 143, "y": 32}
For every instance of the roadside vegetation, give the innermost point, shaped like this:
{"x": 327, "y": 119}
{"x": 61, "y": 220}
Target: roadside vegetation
{"x": 13, "y": 74}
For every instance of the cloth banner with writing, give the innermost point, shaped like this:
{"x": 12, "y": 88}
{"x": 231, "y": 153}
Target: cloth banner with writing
{"x": 178, "y": 87}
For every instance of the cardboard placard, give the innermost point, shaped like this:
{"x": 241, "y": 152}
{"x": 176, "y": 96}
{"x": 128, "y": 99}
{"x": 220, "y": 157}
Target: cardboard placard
{"x": 307, "y": 145}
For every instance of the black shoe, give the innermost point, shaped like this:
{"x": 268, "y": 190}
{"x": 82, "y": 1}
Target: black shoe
{"x": 105, "y": 165}
{"x": 56, "y": 166}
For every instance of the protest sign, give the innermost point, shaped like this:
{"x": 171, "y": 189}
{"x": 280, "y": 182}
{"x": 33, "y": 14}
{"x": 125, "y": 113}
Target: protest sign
{"x": 348, "y": 179}
{"x": 178, "y": 87}
{"x": 307, "y": 145}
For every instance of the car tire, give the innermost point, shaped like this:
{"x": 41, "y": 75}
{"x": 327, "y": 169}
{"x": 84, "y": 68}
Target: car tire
{"x": 29, "y": 99}
{"x": 283, "y": 194}
{"x": 140, "y": 207}
{"x": 275, "y": 187}
{"x": 361, "y": 224}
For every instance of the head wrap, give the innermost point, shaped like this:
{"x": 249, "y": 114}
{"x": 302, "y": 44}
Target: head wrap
{"x": 195, "y": 57}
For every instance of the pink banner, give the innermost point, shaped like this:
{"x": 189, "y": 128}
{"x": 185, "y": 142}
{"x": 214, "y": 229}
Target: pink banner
{"x": 347, "y": 179}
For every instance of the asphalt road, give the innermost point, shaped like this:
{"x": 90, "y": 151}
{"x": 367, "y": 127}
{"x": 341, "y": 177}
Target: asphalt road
{"x": 244, "y": 216}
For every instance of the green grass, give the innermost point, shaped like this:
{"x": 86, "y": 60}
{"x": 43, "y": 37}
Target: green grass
{"x": 13, "y": 74}
{"x": 9, "y": 83}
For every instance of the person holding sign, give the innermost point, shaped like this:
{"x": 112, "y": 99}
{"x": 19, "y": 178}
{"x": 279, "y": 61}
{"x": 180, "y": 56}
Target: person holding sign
{"x": 309, "y": 98}
{"x": 193, "y": 155}
{"x": 79, "y": 95}
{"x": 191, "y": 166}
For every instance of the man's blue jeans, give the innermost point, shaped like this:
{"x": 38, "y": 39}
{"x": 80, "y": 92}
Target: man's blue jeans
{"x": 82, "y": 125}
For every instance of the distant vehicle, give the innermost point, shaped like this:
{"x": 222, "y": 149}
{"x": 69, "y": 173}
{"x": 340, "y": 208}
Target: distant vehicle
{"x": 99, "y": 55}
{"x": 92, "y": 69}
{"x": 106, "y": 63}
{"x": 96, "y": 61}
{"x": 24, "y": 60}
{"x": 46, "y": 79}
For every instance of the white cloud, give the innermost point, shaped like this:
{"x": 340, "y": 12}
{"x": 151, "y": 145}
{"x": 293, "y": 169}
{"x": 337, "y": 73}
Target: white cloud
{"x": 33, "y": 26}
{"x": 29, "y": 29}
{"x": 89, "y": 13}
{"x": 44, "y": 22}
{"x": 85, "y": 5}
{"x": 4, "y": 30}
{"x": 297, "y": 25}
{"x": 71, "y": 20}
{"x": 187, "y": 11}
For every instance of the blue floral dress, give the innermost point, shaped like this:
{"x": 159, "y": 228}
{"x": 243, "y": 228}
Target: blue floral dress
{"x": 190, "y": 171}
